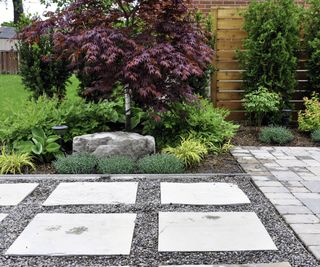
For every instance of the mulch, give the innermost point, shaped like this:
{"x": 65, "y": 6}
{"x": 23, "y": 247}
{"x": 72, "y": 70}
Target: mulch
{"x": 249, "y": 136}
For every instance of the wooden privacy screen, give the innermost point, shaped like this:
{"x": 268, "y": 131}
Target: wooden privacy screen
{"x": 9, "y": 62}
{"x": 226, "y": 83}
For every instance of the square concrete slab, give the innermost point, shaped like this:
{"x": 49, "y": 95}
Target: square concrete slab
{"x": 86, "y": 193}
{"x": 2, "y": 216}
{"x": 202, "y": 194}
{"x": 13, "y": 194}
{"x": 76, "y": 234}
{"x": 212, "y": 231}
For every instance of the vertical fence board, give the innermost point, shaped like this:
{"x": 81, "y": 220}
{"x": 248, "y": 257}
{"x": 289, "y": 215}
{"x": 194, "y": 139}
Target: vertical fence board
{"x": 9, "y": 63}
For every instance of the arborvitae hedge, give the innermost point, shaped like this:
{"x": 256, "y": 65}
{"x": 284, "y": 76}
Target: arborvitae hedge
{"x": 312, "y": 41}
{"x": 270, "y": 58}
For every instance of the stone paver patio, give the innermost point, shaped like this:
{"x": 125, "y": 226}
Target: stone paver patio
{"x": 290, "y": 178}
{"x": 143, "y": 222}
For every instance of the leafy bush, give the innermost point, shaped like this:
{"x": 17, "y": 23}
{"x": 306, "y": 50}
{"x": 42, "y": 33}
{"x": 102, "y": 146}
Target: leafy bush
{"x": 315, "y": 135}
{"x": 116, "y": 164}
{"x": 270, "y": 58}
{"x": 312, "y": 38}
{"x": 259, "y": 103}
{"x": 190, "y": 151}
{"x": 81, "y": 117}
{"x": 309, "y": 119}
{"x": 12, "y": 163}
{"x": 76, "y": 164}
{"x": 276, "y": 135}
{"x": 41, "y": 74}
{"x": 42, "y": 113}
{"x": 198, "y": 118}
{"x": 43, "y": 146}
{"x": 161, "y": 163}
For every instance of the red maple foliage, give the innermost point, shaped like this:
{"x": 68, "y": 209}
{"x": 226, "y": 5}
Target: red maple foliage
{"x": 150, "y": 46}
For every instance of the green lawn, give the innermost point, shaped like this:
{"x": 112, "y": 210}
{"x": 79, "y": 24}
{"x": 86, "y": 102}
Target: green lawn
{"x": 13, "y": 94}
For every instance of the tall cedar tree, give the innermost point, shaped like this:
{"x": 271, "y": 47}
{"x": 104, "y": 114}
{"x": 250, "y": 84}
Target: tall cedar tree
{"x": 151, "y": 47}
{"x": 270, "y": 56}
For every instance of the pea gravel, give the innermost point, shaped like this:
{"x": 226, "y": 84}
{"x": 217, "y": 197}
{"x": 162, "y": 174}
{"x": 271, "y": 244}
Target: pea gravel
{"x": 144, "y": 247}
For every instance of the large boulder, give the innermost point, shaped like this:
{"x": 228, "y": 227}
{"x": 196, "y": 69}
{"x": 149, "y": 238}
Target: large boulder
{"x": 115, "y": 143}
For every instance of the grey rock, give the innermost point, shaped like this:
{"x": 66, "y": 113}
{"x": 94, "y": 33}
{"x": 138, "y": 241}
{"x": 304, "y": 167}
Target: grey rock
{"x": 115, "y": 143}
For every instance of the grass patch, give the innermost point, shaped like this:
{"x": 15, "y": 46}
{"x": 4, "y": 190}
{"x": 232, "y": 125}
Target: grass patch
{"x": 13, "y": 94}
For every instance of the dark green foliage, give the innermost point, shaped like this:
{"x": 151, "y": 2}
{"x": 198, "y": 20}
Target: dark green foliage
{"x": 161, "y": 163}
{"x": 44, "y": 147}
{"x": 76, "y": 164}
{"x": 276, "y": 135}
{"x": 81, "y": 117}
{"x": 40, "y": 74}
{"x": 201, "y": 85}
{"x": 197, "y": 118}
{"x": 270, "y": 58}
{"x": 116, "y": 164}
{"x": 315, "y": 135}
{"x": 312, "y": 39}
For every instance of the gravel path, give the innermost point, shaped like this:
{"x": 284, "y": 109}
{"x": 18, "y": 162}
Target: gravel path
{"x": 144, "y": 247}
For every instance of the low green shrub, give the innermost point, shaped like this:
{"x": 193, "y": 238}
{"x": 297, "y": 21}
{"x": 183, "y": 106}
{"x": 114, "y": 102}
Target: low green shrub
{"x": 76, "y": 164}
{"x": 43, "y": 113}
{"x": 259, "y": 103}
{"x": 315, "y": 135}
{"x": 116, "y": 164}
{"x": 276, "y": 135}
{"x": 161, "y": 164}
{"x": 190, "y": 151}
{"x": 12, "y": 163}
{"x": 309, "y": 119}
{"x": 198, "y": 118}
{"x": 81, "y": 117}
{"x": 44, "y": 147}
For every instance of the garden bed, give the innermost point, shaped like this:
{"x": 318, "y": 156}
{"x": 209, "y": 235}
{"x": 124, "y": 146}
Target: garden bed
{"x": 249, "y": 136}
{"x": 224, "y": 163}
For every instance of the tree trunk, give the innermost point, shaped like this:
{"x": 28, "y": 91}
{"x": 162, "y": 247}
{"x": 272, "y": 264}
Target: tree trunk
{"x": 17, "y": 10}
{"x": 127, "y": 104}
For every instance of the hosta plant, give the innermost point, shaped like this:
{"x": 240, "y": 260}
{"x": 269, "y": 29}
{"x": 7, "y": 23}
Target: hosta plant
{"x": 13, "y": 163}
{"x": 190, "y": 151}
{"x": 41, "y": 145}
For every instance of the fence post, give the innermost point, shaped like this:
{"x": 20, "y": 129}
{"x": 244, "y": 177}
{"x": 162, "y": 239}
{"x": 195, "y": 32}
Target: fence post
{"x": 214, "y": 86}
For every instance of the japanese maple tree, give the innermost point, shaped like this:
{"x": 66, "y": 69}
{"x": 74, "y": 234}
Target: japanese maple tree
{"x": 151, "y": 47}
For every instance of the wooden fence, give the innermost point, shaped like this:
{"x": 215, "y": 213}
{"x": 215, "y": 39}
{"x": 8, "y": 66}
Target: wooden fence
{"x": 226, "y": 82}
{"x": 9, "y": 63}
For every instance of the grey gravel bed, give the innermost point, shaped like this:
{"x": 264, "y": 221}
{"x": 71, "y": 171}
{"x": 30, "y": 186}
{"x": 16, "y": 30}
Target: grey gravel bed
{"x": 144, "y": 247}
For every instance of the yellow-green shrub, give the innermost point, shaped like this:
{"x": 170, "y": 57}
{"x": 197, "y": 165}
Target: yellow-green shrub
{"x": 12, "y": 163}
{"x": 309, "y": 119}
{"x": 190, "y": 151}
